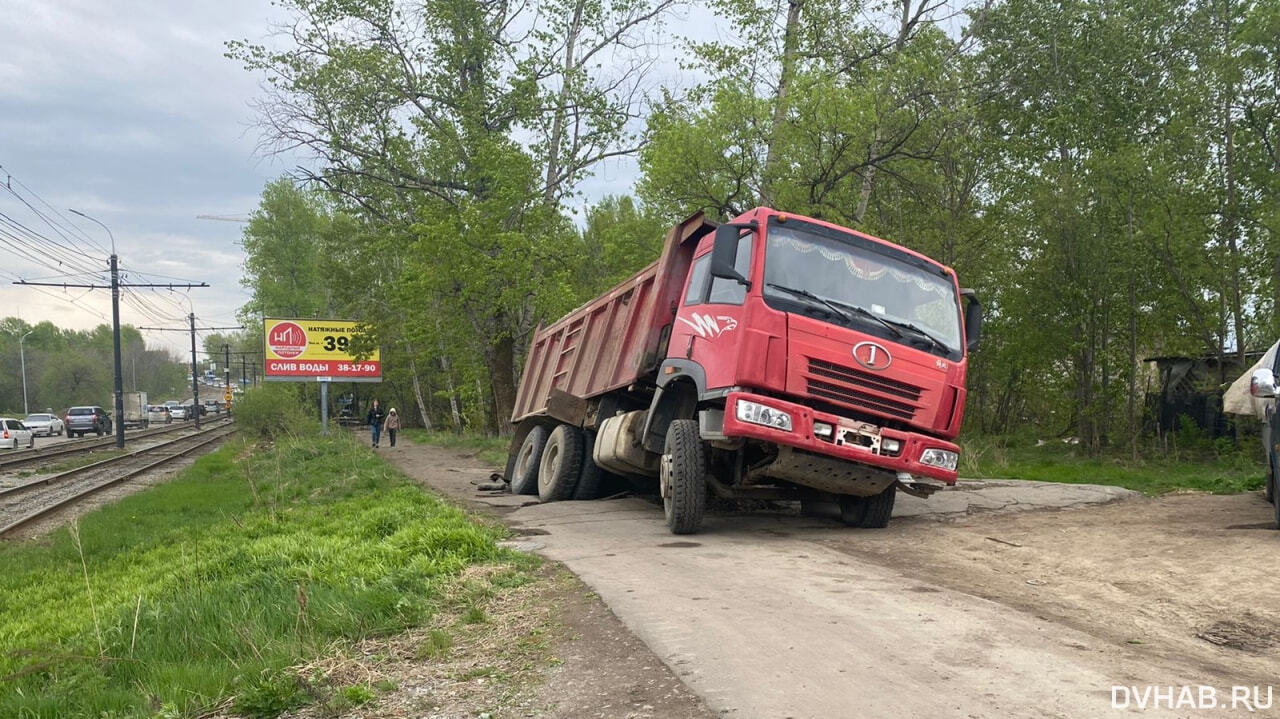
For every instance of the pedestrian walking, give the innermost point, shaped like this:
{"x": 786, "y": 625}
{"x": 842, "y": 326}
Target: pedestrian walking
{"x": 392, "y": 425}
{"x": 374, "y": 419}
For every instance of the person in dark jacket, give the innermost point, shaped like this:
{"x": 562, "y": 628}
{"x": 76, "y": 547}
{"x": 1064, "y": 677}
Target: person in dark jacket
{"x": 374, "y": 419}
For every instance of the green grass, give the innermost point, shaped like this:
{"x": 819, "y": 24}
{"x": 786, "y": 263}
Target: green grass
{"x": 490, "y": 450}
{"x": 1227, "y": 472}
{"x": 214, "y": 584}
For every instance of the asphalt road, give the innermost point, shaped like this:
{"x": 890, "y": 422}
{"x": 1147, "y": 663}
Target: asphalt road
{"x": 769, "y": 615}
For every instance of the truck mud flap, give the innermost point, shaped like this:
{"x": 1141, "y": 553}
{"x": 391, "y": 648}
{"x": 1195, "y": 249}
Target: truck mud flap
{"x": 825, "y": 473}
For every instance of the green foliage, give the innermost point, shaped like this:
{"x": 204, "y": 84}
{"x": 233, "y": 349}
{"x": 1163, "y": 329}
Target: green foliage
{"x": 490, "y": 450}
{"x": 72, "y": 367}
{"x": 215, "y": 583}
{"x": 269, "y": 695}
{"x": 1104, "y": 173}
{"x": 1202, "y": 465}
{"x": 272, "y": 411}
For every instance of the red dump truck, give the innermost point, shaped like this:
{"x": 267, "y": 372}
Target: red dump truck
{"x": 774, "y": 356}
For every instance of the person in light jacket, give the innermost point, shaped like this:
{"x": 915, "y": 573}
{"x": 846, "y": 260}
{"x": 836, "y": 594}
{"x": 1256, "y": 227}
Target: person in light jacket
{"x": 374, "y": 419}
{"x": 392, "y": 425}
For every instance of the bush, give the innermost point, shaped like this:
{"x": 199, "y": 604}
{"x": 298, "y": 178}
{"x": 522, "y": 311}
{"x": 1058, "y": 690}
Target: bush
{"x": 271, "y": 412}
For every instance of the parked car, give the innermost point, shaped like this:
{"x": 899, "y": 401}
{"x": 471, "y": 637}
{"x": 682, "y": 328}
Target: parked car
{"x": 44, "y": 424}
{"x": 90, "y": 418}
{"x": 14, "y": 434}
{"x": 158, "y": 414}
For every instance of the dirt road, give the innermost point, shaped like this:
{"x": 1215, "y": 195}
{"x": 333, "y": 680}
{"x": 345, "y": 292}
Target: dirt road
{"x": 994, "y": 613}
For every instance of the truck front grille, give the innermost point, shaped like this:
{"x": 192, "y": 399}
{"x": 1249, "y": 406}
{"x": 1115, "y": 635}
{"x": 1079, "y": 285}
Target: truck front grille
{"x": 863, "y": 390}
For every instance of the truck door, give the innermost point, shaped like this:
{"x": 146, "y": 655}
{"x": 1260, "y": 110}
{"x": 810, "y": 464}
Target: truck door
{"x": 706, "y": 327}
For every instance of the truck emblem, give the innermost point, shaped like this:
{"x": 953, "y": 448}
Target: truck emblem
{"x": 872, "y": 355}
{"x": 708, "y": 326}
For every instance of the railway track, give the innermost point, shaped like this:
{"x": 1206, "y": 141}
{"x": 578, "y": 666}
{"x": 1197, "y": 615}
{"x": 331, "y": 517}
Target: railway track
{"x": 25, "y": 503}
{"x": 70, "y": 448}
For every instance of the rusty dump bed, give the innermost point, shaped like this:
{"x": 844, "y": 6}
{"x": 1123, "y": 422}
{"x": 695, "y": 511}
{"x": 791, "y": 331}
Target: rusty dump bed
{"x": 615, "y": 339}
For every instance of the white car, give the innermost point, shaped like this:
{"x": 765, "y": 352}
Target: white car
{"x": 45, "y": 425}
{"x": 13, "y": 434}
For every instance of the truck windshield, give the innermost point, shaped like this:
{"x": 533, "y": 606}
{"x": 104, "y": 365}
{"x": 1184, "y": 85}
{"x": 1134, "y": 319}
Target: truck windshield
{"x": 808, "y": 268}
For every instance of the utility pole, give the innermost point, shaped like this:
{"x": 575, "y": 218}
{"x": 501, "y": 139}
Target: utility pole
{"x": 195, "y": 370}
{"x": 115, "y": 286}
{"x": 115, "y": 343}
{"x": 243, "y": 362}
{"x": 226, "y": 371}
{"x": 195, "y": 377}
{"x": 22, "y": 355}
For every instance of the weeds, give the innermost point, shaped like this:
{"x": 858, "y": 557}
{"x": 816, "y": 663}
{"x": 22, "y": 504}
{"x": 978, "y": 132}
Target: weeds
{"x": 1211, "y": 466}
{"x": 209, "y": 587}
{"x": 490, "y": 450}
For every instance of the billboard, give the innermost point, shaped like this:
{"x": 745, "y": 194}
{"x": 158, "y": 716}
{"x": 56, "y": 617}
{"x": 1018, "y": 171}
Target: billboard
{"x": 299, "y": 350}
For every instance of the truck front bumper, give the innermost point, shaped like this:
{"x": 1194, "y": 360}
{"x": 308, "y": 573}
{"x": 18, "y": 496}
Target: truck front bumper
{"x": 915, "y": 454}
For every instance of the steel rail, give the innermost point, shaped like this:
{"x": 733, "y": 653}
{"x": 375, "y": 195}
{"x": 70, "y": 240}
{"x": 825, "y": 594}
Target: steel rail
{"x": 73, "y": 447}
{"x": 217, "y": 434}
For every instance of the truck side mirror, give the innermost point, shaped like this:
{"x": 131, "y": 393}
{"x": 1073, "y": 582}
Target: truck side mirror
{"x": 724, "y": 253}
{"x": 1262, "y": 384}
{"x": 972, "y": 319}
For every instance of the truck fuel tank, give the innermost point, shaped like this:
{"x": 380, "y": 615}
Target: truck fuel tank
{"x": 618, "y": 448}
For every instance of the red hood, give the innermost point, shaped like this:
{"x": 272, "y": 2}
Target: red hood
{"x": 914, "y": 389}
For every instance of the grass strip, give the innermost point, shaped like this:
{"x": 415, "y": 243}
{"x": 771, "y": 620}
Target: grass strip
{"x": 1204, "y": 470}
{"x": 490, "y": 450}
{"x": 214, "y": 584}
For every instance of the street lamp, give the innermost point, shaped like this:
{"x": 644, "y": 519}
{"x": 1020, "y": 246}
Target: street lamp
{"x": 115, "y": 330}
{"x": 22, "y": 355}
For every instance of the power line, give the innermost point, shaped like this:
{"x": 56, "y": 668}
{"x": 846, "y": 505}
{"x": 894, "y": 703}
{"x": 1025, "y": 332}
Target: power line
{"x": 89, "y": 243}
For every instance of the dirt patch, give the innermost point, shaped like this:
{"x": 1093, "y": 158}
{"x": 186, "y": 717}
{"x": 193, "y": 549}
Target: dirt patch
{"x": 1249, "y": 635}
{"x": 1175, "y": 578}
{"x": 547, "y": 648}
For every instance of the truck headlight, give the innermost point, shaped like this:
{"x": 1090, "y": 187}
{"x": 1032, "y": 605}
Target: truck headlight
{"x": 891, "y": 446}
{"x": 759, "y": 414}
{"x": 940, "y": 458}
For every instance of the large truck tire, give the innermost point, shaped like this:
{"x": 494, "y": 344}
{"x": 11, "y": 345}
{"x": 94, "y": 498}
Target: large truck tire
{"x": 589, "y": 479}
{"x": 684, "y": 477}
{"x": 561, "y": 464}
{"x": 524, "y": 476}
{"x": 868, "y": 512}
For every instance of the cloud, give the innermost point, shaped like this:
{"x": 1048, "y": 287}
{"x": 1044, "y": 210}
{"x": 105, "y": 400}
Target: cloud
{"x": 128, "y": 111}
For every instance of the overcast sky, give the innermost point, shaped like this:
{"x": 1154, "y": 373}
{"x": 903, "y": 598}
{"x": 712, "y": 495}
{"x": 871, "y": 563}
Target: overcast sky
{"x": 127, "y": 111}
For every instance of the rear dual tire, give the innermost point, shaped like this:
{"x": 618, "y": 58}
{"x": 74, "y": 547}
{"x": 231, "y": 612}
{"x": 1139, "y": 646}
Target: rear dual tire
{"x": 561, "y": 464}
{"x": 524, "y": 475}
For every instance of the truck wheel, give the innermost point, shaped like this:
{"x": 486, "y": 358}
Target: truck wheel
{"x": 868, "y": 512}
{"x": 524, "y": 476}
{"x": 589, "y": 479}
{"x": 683, "y": 477}
{"x": 561, "y": 464}
{"x": 814, "y": 503}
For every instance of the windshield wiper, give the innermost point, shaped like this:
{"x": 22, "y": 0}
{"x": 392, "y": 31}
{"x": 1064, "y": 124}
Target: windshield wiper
{"x": 871, "y": 315}
{"x": 810, "y": 296}
{"x": 934, "y": 340}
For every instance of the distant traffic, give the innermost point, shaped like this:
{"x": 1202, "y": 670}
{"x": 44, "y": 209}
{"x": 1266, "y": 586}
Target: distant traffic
{"x": 81, "y": 420}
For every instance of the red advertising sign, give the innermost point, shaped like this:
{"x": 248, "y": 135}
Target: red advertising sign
{"x": 316, "y": 350}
